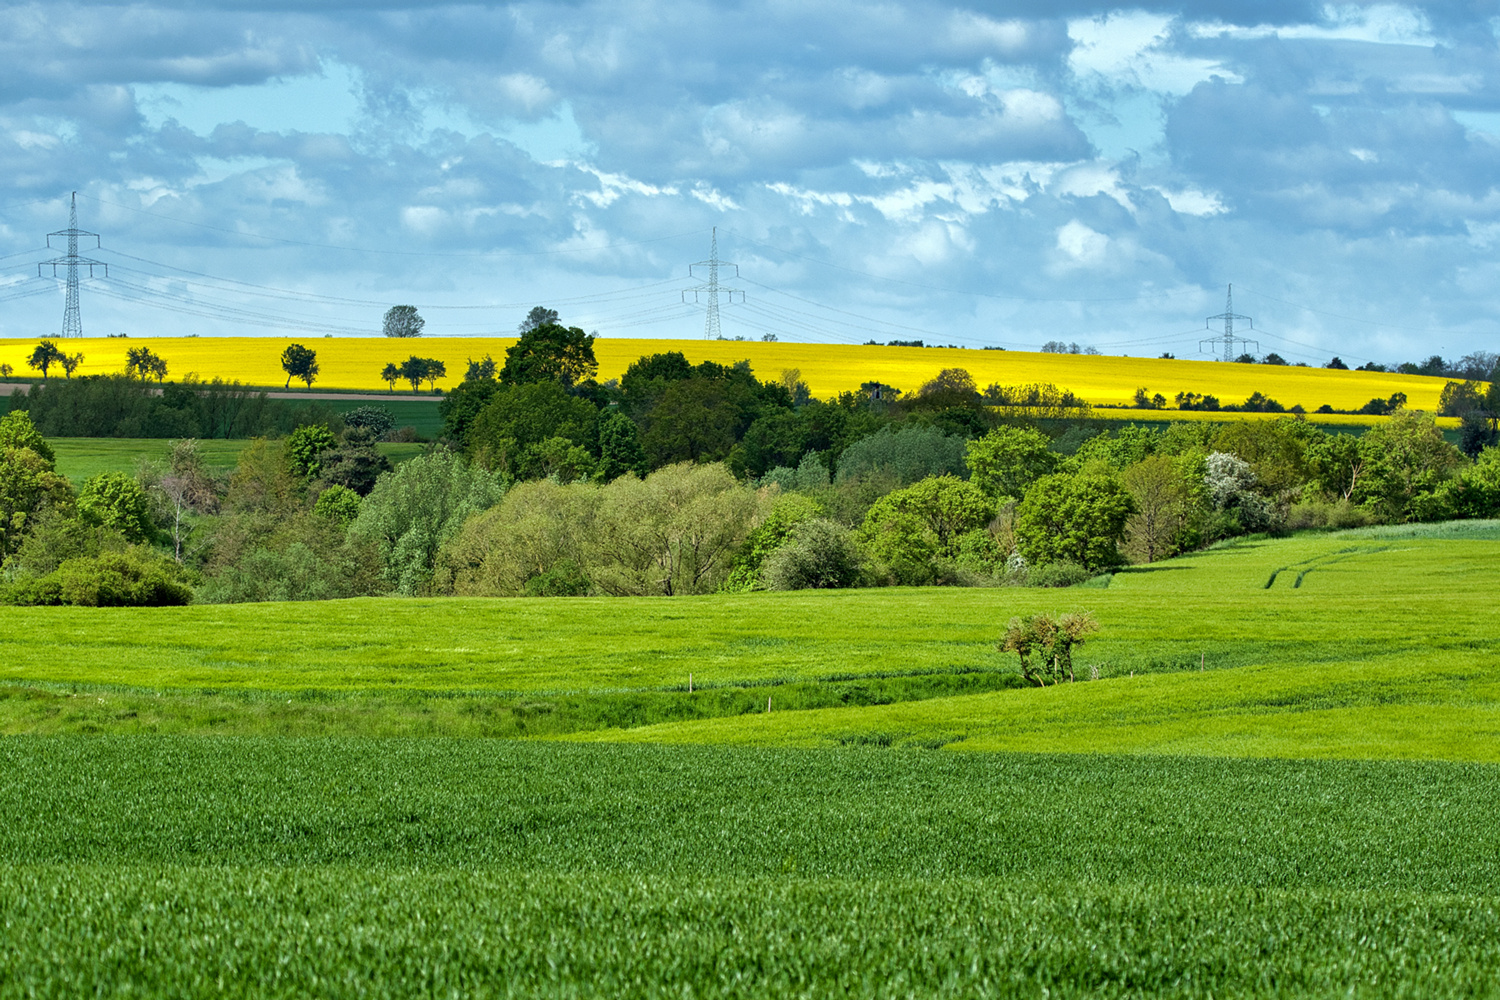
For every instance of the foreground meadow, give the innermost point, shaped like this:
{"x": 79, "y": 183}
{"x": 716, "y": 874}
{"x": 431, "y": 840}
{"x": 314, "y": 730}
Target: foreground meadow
{"x": 1283, "y": 783}
{"x": 828, "y": 369}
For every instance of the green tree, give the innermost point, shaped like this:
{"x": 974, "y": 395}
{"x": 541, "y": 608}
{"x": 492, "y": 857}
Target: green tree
{"x": 70, "y": 363}
{"x": 402, "y": 321}
{"x": 299, "y": 362}
{"x": 414, "y": 371}
{"x": 390, "y": 375}
{"x": 504, "y": 437}
{"x": 115, "y": 500}
{"x": 538, "y": 316}
{"x": 144, "y": 363}
{"x": 1080, "y": 518}
{"x": 45, "y": 356}
{"x": 1406, "y": 457}
{"x": 550, "y": 353}
{"x": 909, "y": 529}
{"x": 1164, "y": 505}
{"x": 417, "y": 507}
{"x": 17, "y": 431}
{"x": 1007, "y": 460}
{"x": 339, "y": 504}
{"x": 305, "y": 448}
{"x": 620, "y": 451}
{"x": 28, "y": 488}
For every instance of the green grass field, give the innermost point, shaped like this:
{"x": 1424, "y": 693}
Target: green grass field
{"x": 80, "y": 458}
{"x": 304, "y": 799}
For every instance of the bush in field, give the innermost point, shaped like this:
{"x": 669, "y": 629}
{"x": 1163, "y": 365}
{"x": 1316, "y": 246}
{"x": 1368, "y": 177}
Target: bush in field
{"x": 377, "y": 420}
{"x": 1045, "y": 644}
{"x": 1405, "y": 458}
{"x": 1230, "y": 483}
{"x": 1078, "y": 518}
{"x": 415, "y": 509}
{"x": 133, "y": 578}
{"x": 28, "y": 486}
{"x": 821, "y": 554}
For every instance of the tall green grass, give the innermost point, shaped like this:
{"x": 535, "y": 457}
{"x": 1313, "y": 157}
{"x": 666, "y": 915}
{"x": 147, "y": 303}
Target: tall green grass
{"x": 191, "y": 867}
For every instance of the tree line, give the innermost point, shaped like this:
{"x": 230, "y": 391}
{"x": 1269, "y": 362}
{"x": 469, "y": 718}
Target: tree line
{"x": 680, "y": 478}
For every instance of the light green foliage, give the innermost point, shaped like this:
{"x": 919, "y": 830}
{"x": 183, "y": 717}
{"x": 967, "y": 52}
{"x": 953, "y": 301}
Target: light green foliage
{"x": 28, "y": 486}
{"x": 674, "y": 532}
{"x": 415, "y": 509}
{"x": 17, "y": 431}
{"x": 908, "y": 530}
{"x": 116, "y": 501}
{"x": 787, "y": 511}
{"x": 819, "y": 554}
{"x": 1080, "y": 518}
{"x": 1405, "y": 458}
{"x": 1277, "y": 450}
{"x": 339, "y": 504}
{"x": 305, "y": 447}
{"x": 906, "y": 454}
{"x": 1007, "y": 460}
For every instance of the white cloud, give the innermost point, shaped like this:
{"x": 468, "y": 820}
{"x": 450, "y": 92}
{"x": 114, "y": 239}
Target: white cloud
{"x": 1130, "y": 48}
{"x": 1082, "y": 245}
{"x": 1383, "y": 23}
{"x": 1191, "y": 201}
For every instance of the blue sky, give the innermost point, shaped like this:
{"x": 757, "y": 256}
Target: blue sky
{"x": 995, "y": 174}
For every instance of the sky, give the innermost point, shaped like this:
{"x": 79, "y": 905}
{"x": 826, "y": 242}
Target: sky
{"x": 984, "y": 175}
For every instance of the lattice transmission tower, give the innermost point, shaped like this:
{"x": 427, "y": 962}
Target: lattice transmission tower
{"x": 711, "y": 289}
{"x": 1227, "y": 338}
{"x": 72, "y": 320}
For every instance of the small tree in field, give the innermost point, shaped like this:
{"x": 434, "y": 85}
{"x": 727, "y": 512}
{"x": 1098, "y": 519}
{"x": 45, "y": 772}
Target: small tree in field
{"x": 402, "y": 321}
{"x": 299, "y": 362}
{"x": 390, "y": 375}
{"x": 45, "y": 356}
{"x": 145, "y": 363}
{"x": 1045, "y": 644}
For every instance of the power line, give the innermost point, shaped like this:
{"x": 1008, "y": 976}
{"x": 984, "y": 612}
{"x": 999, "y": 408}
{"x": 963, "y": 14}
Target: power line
{"x": 399, "y": 253}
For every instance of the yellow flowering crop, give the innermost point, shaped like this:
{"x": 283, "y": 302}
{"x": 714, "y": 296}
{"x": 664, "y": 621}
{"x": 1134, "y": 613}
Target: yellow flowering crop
{"x": 355, "y": 363}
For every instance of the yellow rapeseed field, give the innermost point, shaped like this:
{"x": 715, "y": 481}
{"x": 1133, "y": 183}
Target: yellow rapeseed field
{"x": 355, "y": 363}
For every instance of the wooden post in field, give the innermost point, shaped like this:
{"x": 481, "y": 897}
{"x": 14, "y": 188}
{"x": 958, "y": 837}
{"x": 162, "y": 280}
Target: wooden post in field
{"x": 768, "y": 704}
{"x": 690, "y": 682}
{"x": 1200, "y": 662}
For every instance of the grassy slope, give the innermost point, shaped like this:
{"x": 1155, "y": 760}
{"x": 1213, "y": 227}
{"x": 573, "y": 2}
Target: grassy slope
{"x": 1357, "y": 648}
{"x": 79, "y": 458}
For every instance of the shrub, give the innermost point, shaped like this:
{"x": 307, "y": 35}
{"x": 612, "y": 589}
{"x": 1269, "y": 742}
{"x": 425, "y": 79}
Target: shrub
{"x": 1058, "y": 574}
{"x": 1080, "y": 518}
{"x": 1050, "y": 640}
{"x": 133, "y": 578}
{"x": 377, "y": 420}
{"x": 564, "y": 579}
{"x": 822, "y": 554}
{"x": 339, "y": 504}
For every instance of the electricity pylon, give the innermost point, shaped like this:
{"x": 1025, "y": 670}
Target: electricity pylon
{"x": 1227, "y": 338}
{"x": 72, "y": 320}
{"x": 711, "y": 289}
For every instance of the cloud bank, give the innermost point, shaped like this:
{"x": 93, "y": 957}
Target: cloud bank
{"x": 998, "y": 176}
